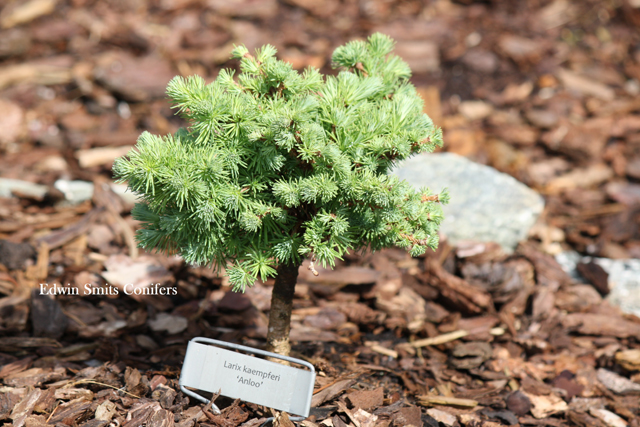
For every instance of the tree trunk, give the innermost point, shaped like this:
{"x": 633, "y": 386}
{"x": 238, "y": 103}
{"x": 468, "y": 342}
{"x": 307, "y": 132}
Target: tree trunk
{"x": 281, "y": 305}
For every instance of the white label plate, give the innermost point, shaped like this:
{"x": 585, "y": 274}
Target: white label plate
{"x": 251, "y": 379}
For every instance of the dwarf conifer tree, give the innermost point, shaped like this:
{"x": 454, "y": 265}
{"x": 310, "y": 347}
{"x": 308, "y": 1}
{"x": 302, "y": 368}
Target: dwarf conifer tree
{"x": 277, "y": 166}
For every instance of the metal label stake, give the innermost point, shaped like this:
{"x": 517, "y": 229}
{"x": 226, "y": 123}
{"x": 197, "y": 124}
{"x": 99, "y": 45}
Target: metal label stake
{"x": 209, "y": 367}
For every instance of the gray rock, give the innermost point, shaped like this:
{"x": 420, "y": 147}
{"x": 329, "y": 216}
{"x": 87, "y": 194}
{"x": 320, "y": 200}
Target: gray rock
{"x": 125, "y": 194}
{"x": 79, "y": 191}
{"x": 486, "y": 205}
{"x": 624, "y": 278}
{"x": 7, "y": 186}
{"x": 75, "y": 191}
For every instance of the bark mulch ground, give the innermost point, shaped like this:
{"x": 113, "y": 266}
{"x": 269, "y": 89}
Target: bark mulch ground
{"x": 547, "y": 91}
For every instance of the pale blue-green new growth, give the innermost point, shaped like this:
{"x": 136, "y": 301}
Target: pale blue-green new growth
{"x": 278, "y": 165}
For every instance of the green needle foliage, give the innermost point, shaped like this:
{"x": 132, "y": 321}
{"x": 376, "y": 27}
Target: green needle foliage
{"x": 277, "y": 165}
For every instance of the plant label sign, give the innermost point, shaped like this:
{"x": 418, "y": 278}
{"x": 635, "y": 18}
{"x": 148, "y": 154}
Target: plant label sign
{"x": 242, "y": 376}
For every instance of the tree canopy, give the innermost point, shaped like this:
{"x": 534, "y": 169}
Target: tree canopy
{"x": 278, "y": 165}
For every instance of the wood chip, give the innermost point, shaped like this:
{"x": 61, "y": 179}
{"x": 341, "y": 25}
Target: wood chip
{"x": 28, "y": 342}
{"x": 351, "y": 275}
{"x": 629, "y": 359}
{"x": 530, "y": 421}
{"x": 617, "y": 383}
{"x": 67, "y": 234}
{"x": 608, "y": 417}
{"x": 468, "y": 298}
{"x": 24, "y": 408}
{"x": 442, "y": 417}
{"x": 105, "y": 411}
{"x": 366, "y": 399}
{"x": 330, "y": 392}
{"x": 101, "y": 156}
{"x": 141, "y": 413}
{"x": 73, "y": 393}
{"x": 382, "y": 350}
{"x": 40, "y": 270}
{"x": 440, "y": 339}
{"x": 47, "y": 316}
{"x": 34, "y": 377}
{"x": 15, "y": 367}
{"x": 162, "y": 418}
{"x": 585, "y": 86}
{"x": 360, "y": 417}
{"x": 596, "y": 275}
{"x": 548, "y": 272}
{"x": 580, "y": 178}
{"x": 32, "y": 73}
{"x": 70, "y": 411}
{"x": 601, "y": 325}
{"x": 426, "y": 400}
{"x": 544, "y": 406}
{"x": 51, "y": 221}
{"x": 25, "y": 12}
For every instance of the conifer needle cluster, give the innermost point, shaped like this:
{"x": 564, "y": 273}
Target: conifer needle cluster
{"x": 278, "y": 165}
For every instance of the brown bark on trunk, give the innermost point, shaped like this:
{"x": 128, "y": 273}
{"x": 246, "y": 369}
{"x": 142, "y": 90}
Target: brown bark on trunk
{"x": 281, "y": 305}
